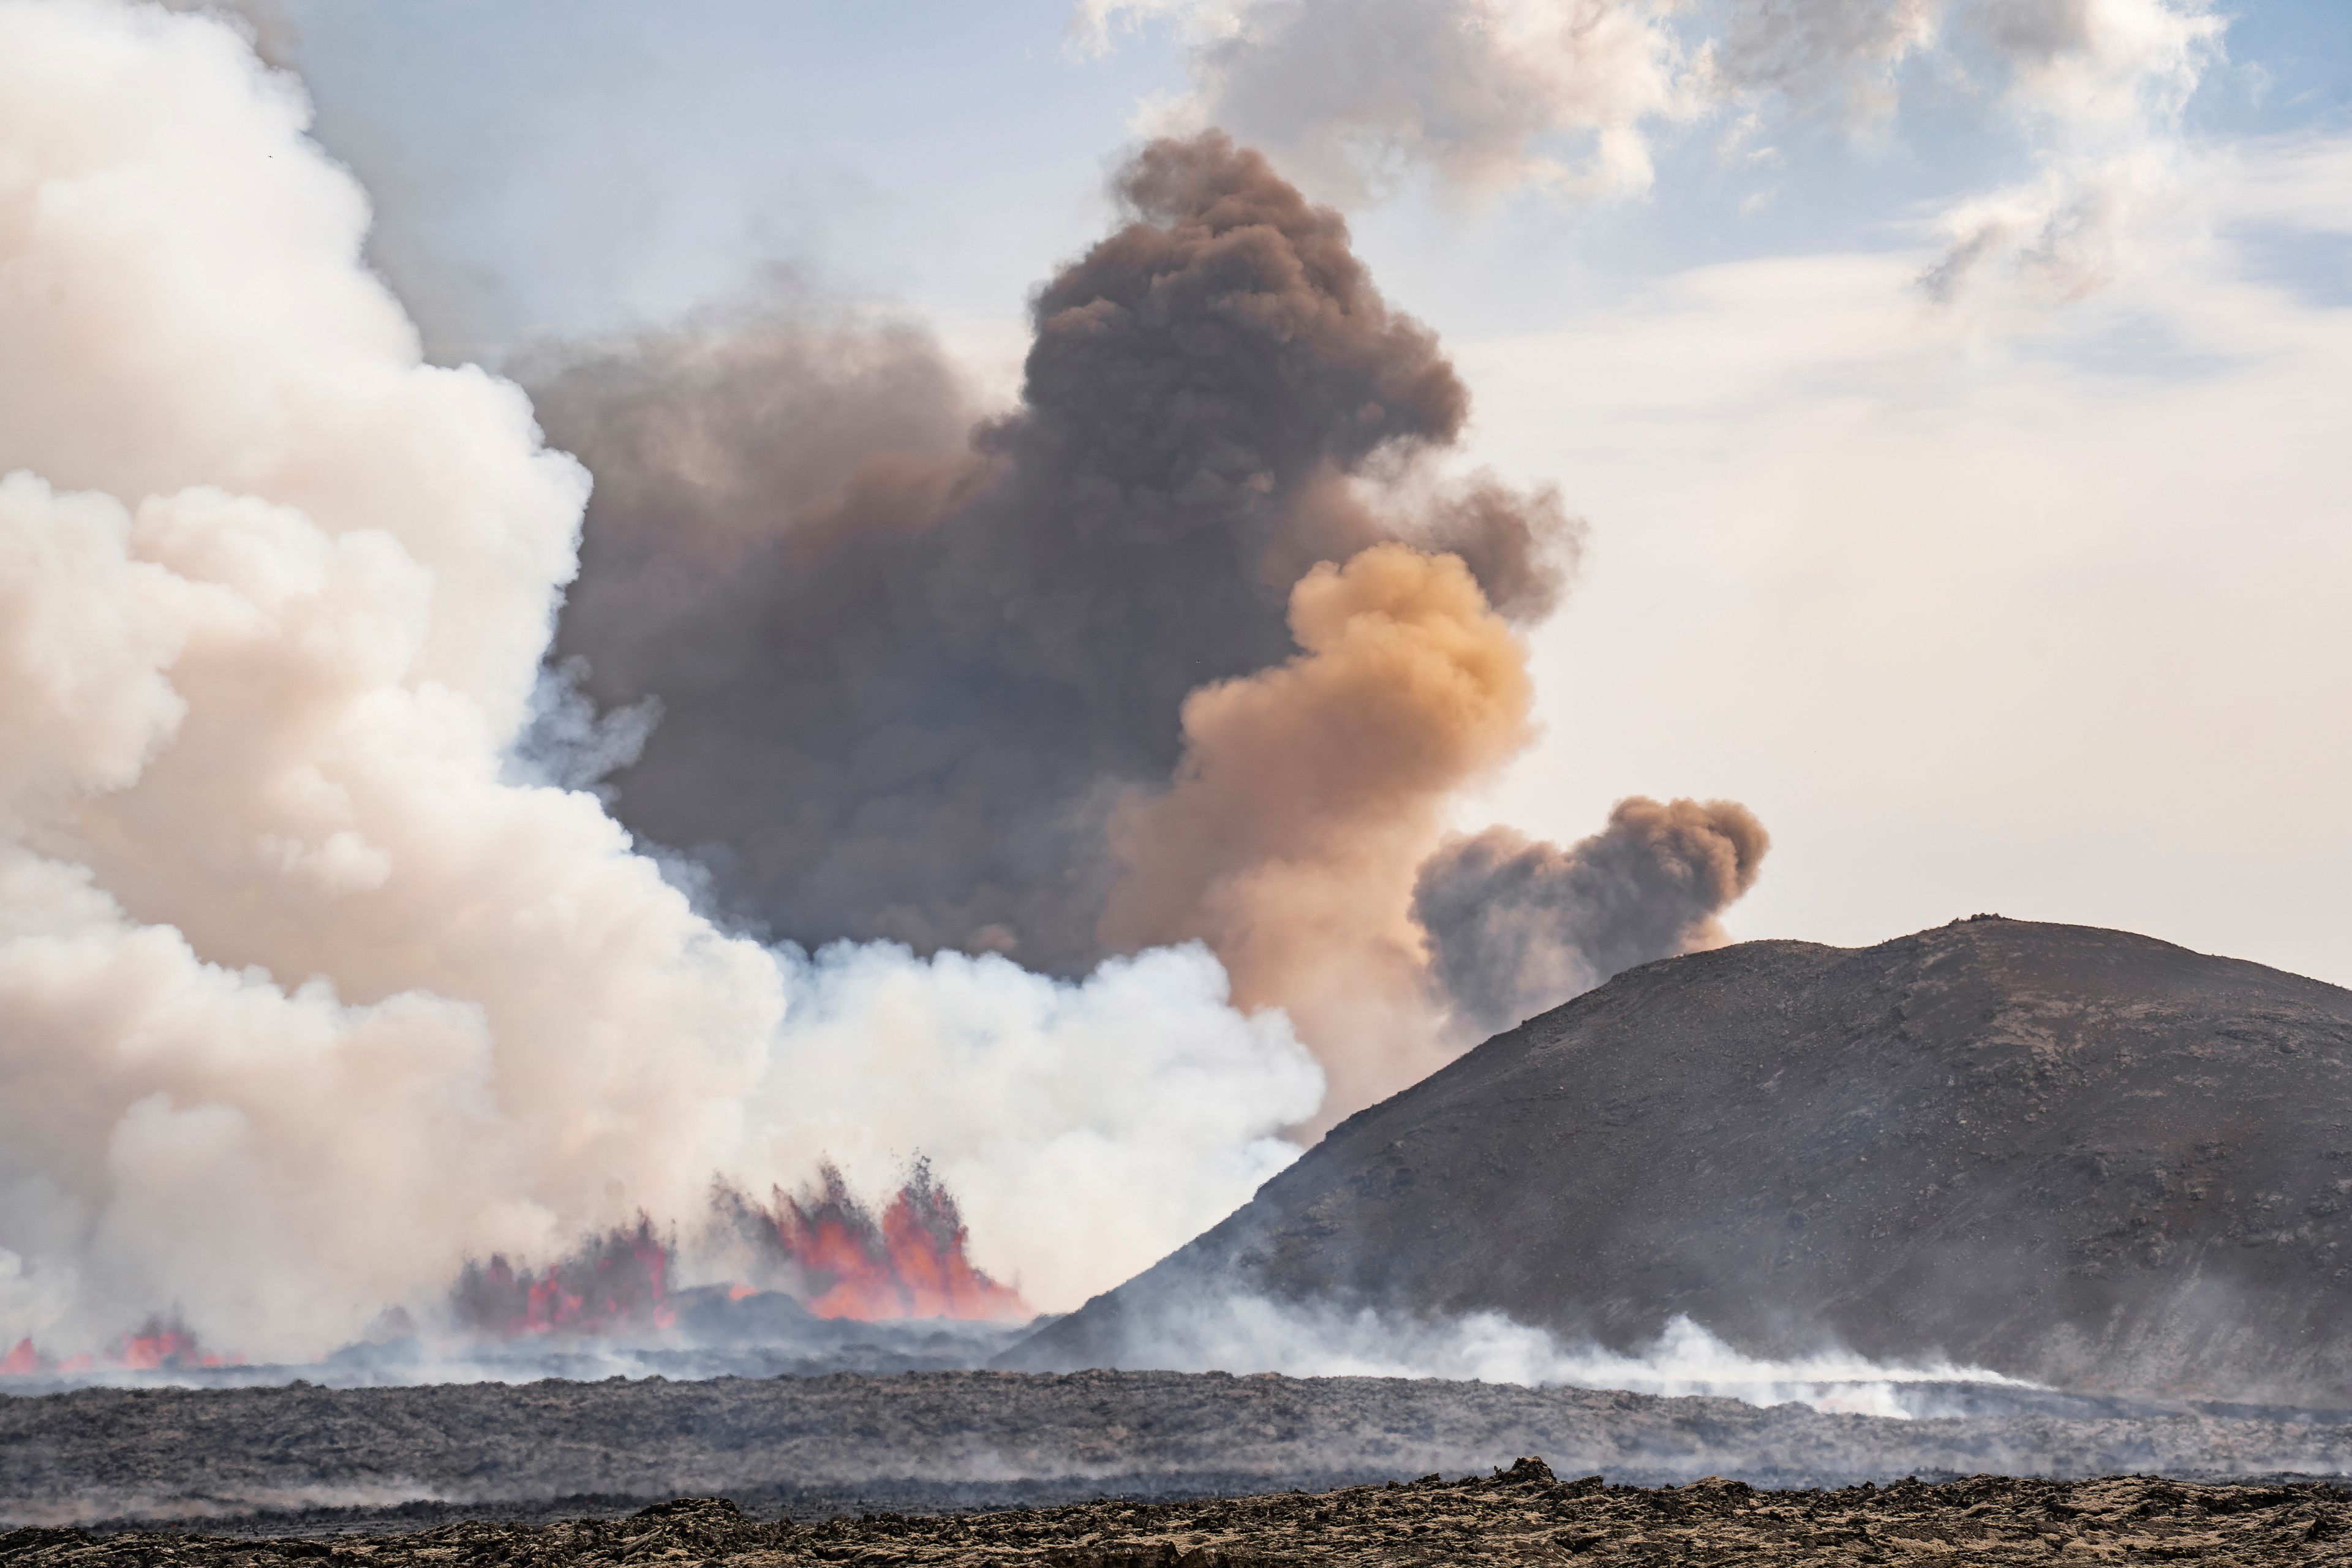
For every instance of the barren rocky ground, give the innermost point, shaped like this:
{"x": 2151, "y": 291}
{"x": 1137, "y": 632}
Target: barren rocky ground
{"x": 1522, "y": 1514}
{"x": 270, "y": 1459}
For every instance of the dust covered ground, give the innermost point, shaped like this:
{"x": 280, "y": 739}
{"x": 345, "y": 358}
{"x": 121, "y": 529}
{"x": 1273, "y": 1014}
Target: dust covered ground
{"x": 1520, "y": 1515}
{"x": 316, "y": 1462}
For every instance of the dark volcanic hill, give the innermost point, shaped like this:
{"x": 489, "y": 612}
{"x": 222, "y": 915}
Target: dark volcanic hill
{"x": 2074, "y": 1155}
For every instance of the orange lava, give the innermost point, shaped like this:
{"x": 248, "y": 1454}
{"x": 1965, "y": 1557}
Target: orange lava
{"x": 620, "y": 1281}
{"x": 158, "y": 1347}
{"x": 912, "y": 1264}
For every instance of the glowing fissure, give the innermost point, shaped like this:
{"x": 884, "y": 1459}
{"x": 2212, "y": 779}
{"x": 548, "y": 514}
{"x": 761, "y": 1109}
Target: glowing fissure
{"x": 158, "y": 1347}
{"x": 619, "y": 1282}
{"x": 912, "y": 1263}
{"x": 825, "y": 1248}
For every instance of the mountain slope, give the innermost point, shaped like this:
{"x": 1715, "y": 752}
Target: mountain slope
{"x": 2075, "y": 1156}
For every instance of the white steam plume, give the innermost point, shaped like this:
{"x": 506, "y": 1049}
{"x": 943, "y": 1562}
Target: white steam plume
{"x": 301, "y": 998}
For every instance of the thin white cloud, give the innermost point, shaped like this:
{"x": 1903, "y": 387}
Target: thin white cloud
{"x": 2099, "y": 87}
{"x": 1573, "y": 96}
{"x": 1488, "y": 93}
{"x": 2044, "y": 622}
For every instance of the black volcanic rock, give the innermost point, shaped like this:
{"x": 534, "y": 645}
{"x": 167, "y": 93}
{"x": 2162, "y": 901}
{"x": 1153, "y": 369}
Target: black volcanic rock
{"x": 1522, "y": 1514}
{"x": 2079, "y": 1156}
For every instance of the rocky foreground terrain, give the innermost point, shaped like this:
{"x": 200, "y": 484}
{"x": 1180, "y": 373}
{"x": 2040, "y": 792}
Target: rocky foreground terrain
{"x": 311, "y": 1460}
{"x": 1522, "y": 1514}
{"x": 2080, "y": 1157}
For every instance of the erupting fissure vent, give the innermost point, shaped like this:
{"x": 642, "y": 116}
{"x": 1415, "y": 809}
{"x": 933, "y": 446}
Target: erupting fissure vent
{"x": 823, "y": 1247}
{"x": 620, "y": 1281}
{"x": 160, "y": 1346}
{"x": 911, "y": 1264}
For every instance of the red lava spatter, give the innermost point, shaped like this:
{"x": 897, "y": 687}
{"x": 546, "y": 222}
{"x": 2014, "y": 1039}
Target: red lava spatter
{"x": 910, "y": 1265}
{"x": 619, "y": 1281}
{"x": 827, "y": 1247}
{"x": 158, "y": 1347}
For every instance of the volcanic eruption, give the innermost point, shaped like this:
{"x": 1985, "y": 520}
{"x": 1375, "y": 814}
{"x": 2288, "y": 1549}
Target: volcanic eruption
{"x": 845, "y": 1263}
{"x": 824, "y": 1249}
{"x": 324, "y": 965}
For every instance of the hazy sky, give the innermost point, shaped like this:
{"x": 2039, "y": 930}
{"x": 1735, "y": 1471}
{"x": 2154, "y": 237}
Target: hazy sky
{"x": 2028, "y": 593}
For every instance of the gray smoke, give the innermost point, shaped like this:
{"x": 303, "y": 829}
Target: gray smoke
{"x": 1516, "y": 927}
{"x": 905, "y": 677}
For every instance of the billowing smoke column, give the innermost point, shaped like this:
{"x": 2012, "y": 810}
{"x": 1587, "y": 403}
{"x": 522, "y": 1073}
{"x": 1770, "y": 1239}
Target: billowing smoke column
{"x": 1310, "y": 791}
{"x": 1195, "y": 644}
{"x": 904, "y": 686}
{"x": 1516, "y": 927}
{"x": 317, "y": 974}
{"x": 307, "y": 991}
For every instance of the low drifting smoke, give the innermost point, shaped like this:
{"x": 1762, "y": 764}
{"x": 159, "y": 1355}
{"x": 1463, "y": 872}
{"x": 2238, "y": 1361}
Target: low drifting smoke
{"x": 1243, "y": 1334}
{"x": 1515, "y": 927}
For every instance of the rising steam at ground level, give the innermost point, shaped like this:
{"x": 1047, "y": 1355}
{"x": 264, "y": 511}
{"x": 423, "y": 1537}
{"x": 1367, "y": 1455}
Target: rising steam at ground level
{"x": 317, "y": 975}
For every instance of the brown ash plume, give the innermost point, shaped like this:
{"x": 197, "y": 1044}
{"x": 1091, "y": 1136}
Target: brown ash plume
{"x": 1310, "y": 792}
{"x": 906, "y": 683}
{"x": 1516, "y": 927}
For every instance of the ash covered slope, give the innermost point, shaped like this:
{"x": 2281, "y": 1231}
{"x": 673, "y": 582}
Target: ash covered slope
{"x": 2075, "y": 1156}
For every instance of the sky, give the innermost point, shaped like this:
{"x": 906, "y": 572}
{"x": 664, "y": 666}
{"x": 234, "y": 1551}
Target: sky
{"x": 2028, "y": 601}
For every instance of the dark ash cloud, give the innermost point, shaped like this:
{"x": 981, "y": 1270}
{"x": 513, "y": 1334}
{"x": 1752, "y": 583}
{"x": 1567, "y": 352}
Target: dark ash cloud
{"x": 906, "y": 676}
{"x": 1518, "y": 927}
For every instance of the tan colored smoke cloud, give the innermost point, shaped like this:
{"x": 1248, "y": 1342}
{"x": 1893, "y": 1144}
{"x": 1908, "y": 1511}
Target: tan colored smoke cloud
{"x": 1301, "y": 838}
{"x": 302, "y": 994}
{"x": 1308, "y": 796}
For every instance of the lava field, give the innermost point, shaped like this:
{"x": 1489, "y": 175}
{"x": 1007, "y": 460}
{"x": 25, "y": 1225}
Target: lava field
{"x": 318, "y": 1460}
{"x": 1521, "y": 1514}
